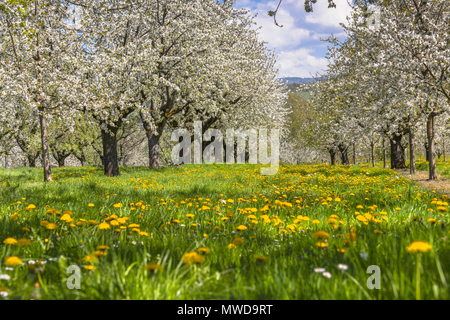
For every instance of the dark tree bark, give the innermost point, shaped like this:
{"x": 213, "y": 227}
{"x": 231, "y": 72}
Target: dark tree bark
{"x": 443, "y": 148}
{"x": 61, "y": 162}
{"x": 110, "y": 158}
{"x": 372, "y": 151}
{"x": 60, "y": 155}
{"x": 332, "y": 156}
{"x": 354, "y": 154}
{"x": 6, "y": 162}
{"x": 29, "y": 154}
{"x": 427, "y": 151}
{"x": 412, "y": 152}
{"x": 398, "y": 160}
{"x": 344, "y": 154}
{"x": 153, "y": 150}
{"x": 32, "y": 160}
{"x": 431, "y": 144}
{"x": 45, "y": 151}
{"x": 81, "y": 157}
{"x": 384, "y": 154}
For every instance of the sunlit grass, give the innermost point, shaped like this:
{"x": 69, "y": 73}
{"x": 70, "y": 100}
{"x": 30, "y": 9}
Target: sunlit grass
{"x": 130, "y": 235}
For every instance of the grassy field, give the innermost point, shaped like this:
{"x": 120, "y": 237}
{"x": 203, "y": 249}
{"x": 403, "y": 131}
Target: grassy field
{"x": 222, "y": 232}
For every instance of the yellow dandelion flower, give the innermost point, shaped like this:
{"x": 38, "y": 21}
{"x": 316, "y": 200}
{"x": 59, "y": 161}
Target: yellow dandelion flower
{"x": 231, "y": 246}
{"x": 13, "y": 261}
{"x": 100, "y": 253}
{"x": 52, "y": 226}
{"x": 241, "y": 228}
{"x": 92, "y": 258}
{"x": 10, "y": 241}
{"x": 192, "y": 257}
{"x": 23, "y": 242}
{"x": 204, "y": 250}
{"x": 91, "y": 205}
{"x": 352, "y": 236}
{"x": 114, "y": 223}
{"x": 104, "y": 226}
{"x": 320, "y": 235}
{"x": 153, "y": 267}
{"x": 321, "y": 244}
{"x": 238, "y": 241}
{"x": 260, "y": 258}
{"x": 419, "y": 246}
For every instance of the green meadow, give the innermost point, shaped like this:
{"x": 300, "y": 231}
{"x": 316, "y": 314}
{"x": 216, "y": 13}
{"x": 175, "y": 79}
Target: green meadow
{"x": 222, "y": 232}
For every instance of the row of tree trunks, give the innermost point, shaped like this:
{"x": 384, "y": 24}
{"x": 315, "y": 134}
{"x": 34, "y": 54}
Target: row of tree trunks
{"x": 45, "y": 151}
{"x": 372, "y": 153}
{"x": 354, "y": 154}
{"x": 412, "y": 152}
{"x": 431, "y": 145}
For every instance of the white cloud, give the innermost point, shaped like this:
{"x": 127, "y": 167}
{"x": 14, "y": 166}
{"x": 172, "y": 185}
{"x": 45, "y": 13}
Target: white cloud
{"x": 300, "y": 63}
{"x": 289, "y": 36}
{"x": 298, "y": 46}
{"x": 325, "y": 16}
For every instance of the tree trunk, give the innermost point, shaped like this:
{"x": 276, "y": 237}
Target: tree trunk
{"x": 6, "y": 162}
{"x": 61, "y": 162}
{"x": 427, "y": 151}
{"x": 384, "y": 154}
{"x": 31, "y": 161}
{"x": 333, "y": 157}
{"x": 443, "y": 148}
{"x": 431, "y": 146}
{"x": 412, "y": 152}
{"x": 354, "y": 154}
{"x": 153, "y": 150}
{"x": 397, "y": 153}
{"x": 45, "y": 151}
{"x": 344, "y": 154}
{"x": 81, "y": 157}
{"x": 110, "y": 158}
{"x": 372, "y": 149}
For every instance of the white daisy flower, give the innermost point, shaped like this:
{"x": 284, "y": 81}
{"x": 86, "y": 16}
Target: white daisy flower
{"x": 5, "y": 277}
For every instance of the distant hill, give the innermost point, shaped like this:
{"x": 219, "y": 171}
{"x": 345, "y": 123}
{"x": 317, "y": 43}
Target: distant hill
{"x": 291, "y": 80}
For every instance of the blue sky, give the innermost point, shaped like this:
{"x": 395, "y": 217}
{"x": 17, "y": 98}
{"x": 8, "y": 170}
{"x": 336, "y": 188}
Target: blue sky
{"x": 298, "y": 46}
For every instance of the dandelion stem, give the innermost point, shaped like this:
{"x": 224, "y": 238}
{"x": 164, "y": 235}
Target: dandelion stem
{"x": 418, "y": 277}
